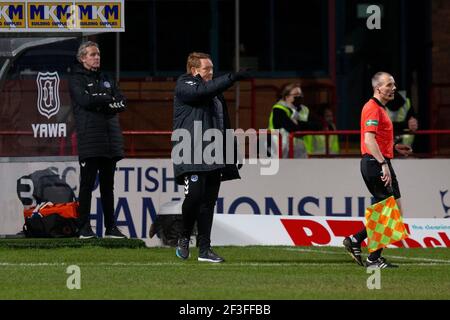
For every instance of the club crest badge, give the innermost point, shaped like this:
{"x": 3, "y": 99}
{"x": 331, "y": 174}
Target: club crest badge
{"x": 444, "y": 205}
{"x": 48, "y": 101}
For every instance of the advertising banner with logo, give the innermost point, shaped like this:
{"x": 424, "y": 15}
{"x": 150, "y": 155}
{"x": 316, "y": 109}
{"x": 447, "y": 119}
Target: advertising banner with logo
{"x": 302, "y": 188}
{"x": 36, "y": 110}
{"x": 241, "y": 230}
{"x": 62, "y": 16}
{"x": 35, "y": 104}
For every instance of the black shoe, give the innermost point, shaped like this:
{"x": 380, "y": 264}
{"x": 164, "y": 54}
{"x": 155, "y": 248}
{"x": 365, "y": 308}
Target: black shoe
{"x": 182, "y": 250}
{"x": 114, "y": 233}
{"x": 354, "y": 249}
{"x": 209, "y": 256}
{"x": 380, "y": 263}
{"x": 86, "y": 233}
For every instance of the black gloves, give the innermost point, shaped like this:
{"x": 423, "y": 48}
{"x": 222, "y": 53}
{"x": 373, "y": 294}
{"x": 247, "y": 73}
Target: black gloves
{"x": 106, "y": 103}
{"x": 241, "y": 74}
{"x": 115, "y": 107}
{"x": 102, "y": 98}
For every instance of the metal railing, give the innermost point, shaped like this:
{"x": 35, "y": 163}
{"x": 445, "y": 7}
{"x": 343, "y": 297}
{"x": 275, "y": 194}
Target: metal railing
{"x": 133, "y": 134}
{"x": 327, "y": 134}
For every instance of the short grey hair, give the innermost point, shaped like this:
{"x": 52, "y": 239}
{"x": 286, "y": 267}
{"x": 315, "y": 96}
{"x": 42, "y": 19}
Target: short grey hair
{"x": 376, "y": 78}
{"x": 82, "y": 49}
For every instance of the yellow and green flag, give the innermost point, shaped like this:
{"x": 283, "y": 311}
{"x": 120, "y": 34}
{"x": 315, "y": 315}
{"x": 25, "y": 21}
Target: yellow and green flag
{"x": 384, "y": 224}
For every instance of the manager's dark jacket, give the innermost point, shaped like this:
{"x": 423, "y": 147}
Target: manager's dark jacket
{"x": 199, "y": 100}
{"x": 98, "y": 128}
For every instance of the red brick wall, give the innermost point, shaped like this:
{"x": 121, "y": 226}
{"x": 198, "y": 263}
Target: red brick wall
{"x": 150, "y": 107}
{"x": 441, "y": 41}
{"x": 440, "y": 109}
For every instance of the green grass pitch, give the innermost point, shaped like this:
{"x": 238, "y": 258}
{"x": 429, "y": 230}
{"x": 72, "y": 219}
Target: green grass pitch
{"x": 257, "y": 272}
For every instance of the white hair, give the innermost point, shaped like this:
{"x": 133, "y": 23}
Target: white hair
{"x": 82, "y": 49}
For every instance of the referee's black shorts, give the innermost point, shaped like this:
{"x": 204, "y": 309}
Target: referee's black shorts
{"x": 372, "y": 173}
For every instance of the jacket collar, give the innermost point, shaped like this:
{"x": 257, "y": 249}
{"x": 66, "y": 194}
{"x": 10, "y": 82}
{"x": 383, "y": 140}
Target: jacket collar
{"x": 78, "y": 68}
{"x": 378, "y": 102}
{"x": 188, "y": 76}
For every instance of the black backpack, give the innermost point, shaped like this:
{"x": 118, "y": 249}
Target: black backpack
{"x": 169, "y": 228}
{"x": 44, "y": 185}
{"x": 51, "y": 226}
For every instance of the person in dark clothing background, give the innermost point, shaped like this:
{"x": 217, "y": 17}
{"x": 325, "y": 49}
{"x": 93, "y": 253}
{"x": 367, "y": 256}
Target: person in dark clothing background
{"x": 96, "y": 100}
{"x": 199, "y": 106}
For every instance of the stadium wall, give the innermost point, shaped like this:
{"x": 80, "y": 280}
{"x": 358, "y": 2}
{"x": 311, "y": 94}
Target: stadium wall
{"x": 330, "y": 188}
{"x": 440, "y": 25}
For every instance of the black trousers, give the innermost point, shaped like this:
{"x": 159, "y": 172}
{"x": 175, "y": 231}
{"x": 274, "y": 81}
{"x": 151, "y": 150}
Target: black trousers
{"x": 89, "y": 168}
{"x": 371, "y": 172}
{"x": 201, "y": 191}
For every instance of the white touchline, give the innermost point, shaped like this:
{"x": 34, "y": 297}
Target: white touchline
{"x": 180, "y": 264}
{"x": 442, "y": 261}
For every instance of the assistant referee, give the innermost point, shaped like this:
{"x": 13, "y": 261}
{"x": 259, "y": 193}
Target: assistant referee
{"x": 377, "y": 149}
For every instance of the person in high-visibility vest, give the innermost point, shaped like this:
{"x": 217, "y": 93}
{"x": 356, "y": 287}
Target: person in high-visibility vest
{"x": 316, "y": 144}
{"x": 289, "y": 115}
{"x": 403, "y": 118}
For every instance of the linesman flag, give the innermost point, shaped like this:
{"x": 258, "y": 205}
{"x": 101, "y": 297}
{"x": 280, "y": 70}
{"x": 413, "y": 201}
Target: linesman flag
{"x": 384, "y": 224}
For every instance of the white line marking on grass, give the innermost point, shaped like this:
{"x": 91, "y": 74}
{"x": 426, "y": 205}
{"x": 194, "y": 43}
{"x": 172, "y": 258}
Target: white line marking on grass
{"x": 32, "y": 264}
{"x": 314, "y": 251}
{"x": 441, "y": 261}
{"x": 181, "y": 264}
{"x": 420, "y": 259}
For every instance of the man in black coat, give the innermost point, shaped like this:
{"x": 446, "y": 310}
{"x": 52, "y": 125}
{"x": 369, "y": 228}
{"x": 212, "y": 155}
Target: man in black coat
{"x": 199, "y": 107}
{"x": 96, "y": 100}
